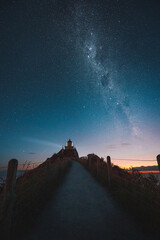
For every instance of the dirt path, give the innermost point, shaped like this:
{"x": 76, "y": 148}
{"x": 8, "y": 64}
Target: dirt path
{"x": 83, "y": 210}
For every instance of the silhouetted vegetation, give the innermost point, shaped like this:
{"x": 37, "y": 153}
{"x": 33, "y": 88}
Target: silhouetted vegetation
{"x": 33, "y": 189}
{"x": 139, "y": 195}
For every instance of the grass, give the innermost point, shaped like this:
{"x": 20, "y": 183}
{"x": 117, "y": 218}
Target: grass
{"x": 138, "y": 195}
{"x": 33, "y": 190}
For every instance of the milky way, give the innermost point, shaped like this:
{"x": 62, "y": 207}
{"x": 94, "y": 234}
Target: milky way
{"x": 105, "y": 73}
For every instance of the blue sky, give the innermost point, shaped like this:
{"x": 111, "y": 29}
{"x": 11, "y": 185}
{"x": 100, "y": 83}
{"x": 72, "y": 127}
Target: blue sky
{"x": 83, "y": 70}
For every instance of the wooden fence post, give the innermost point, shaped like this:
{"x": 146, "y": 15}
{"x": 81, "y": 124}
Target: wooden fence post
{"x": 89, "y": 158}
{"x": 158, "y": 161}
{"x": 9, "y": 195}
{"x": 97, "y": 167}
{"x": 109, "y": 167}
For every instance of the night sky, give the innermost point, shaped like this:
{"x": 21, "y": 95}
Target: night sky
{"x": 85, "y": 70}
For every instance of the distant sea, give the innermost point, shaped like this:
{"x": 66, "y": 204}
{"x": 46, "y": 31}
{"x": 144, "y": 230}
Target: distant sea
{"x": 3, "y": 174}
{"x": 146, "y": 171}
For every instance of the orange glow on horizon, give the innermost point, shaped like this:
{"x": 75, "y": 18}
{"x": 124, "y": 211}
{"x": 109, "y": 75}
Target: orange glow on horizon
{"x": 130, "y": 163}
{"x": 146, "y": 171}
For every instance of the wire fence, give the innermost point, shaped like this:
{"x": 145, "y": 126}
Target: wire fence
{"x": 130, "y": 163}
{"x": 22, "y": 168}
{"x": 137, "y": 160}
{"x": 27, "y": 165}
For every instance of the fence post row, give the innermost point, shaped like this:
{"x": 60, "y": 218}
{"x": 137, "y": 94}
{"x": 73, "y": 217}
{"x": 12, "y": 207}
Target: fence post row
{"x": 9, "y": 194}
{"x": 109, "y": 168}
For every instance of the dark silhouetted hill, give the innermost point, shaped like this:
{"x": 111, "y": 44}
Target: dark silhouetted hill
{"x": 148, "y": 168}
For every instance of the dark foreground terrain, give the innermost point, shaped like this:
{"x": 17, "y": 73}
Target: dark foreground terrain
{"x": 81, "y": 210}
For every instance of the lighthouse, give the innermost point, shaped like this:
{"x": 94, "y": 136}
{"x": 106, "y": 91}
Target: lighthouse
{"x": 69, "y": 144}
{"x": 69, "y": 152}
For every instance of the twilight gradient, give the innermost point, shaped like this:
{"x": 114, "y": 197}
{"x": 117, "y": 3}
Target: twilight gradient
{"x": 85, "y": 70}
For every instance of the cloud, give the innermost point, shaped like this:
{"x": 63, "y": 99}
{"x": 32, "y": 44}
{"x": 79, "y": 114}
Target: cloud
{"x": 32, "y": 153}
{"x": 115, "y": 146}
{"x": 125, "y": 144}
{"x": 112, "y": 146}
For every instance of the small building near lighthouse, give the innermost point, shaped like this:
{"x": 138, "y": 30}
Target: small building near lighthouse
{"x": 69, "y": 144}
